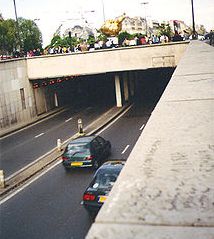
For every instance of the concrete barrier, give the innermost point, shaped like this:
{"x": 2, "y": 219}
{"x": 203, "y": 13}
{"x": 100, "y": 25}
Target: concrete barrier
{"x": 166, "y": 188}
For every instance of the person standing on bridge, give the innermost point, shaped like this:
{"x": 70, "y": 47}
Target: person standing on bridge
{"x": 211, "y": 38}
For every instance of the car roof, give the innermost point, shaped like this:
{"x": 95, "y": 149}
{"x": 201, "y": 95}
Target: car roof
{"x": 84, "y": 139}
{"x": 112, "y": 165}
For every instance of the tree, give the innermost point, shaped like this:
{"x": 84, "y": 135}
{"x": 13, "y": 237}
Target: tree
{"x": 8, "y": 39}
{"x": 27, "y": 35}
{"x": 30, "y": 35}
{"x": 124, "y": 35}
{"x": 165, "y": 29}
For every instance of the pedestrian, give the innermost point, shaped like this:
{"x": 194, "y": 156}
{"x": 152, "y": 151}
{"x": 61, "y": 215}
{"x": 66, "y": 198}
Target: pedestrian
{"x": 211, "y": 38}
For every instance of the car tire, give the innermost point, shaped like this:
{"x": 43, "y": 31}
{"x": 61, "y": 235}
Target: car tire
{"x": 67, "y": 170}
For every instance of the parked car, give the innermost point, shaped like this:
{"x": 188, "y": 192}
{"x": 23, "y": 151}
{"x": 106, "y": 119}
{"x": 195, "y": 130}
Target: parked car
{"x": 98, "y": 190}
{"x": 86, "y": 151}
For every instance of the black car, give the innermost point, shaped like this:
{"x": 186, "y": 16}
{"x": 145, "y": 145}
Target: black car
{"x": 100, "y": 186}
{"x": 87, "y": 151}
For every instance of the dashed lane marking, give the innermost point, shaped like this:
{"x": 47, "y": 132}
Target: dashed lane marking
{"x": 39, "y": 135}
{"x": 127, "y": 146}
{"x": 142, "y": 127}
{"x": 68, "y": 119}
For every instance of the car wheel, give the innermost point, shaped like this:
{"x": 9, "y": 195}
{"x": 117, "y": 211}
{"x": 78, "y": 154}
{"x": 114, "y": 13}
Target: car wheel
{"x": 96, "y": 165}
{"x": 67, "y": 169}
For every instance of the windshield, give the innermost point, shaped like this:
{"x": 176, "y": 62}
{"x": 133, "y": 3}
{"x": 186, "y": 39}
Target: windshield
{"x": 105, "y": 180}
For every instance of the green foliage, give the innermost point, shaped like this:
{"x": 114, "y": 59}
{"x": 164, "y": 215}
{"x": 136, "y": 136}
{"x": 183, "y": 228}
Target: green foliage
{"x": 91, "y": 39}
{"x": 67, "y": 41}
{"x": 124, "y": 35}
{"x": 102, "y": 37}
{"x": 28, "y": 37}
{"x": 165, "y": 29}
{"x": 8, "y": 38}
{"x": 56, "y": 41}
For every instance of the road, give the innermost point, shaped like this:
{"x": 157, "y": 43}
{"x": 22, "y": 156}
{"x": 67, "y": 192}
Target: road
{"x": 23, "y": 147}
{"x": 50, "y": 206}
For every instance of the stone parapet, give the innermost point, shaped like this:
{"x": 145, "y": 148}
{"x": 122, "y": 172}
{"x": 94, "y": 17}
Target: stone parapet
{"x": 166, "y": 188}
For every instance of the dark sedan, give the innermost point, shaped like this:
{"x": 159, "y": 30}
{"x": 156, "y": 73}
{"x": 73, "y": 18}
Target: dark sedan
{"x": 100, "y": 186}
{"x": 87, "y": 151}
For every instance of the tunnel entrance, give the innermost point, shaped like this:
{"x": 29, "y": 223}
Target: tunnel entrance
{"x": 150, "y": 85}
{"x": 95, "y": 90}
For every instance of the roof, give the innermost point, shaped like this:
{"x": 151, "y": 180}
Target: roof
{"x": 84, "y": 139}
{"x": 112, "y": 165}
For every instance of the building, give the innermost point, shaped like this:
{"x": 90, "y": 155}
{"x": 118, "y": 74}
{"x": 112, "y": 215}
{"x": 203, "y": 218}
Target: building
{"x": 78, "y": 31}
{"x": 134, "y": 25}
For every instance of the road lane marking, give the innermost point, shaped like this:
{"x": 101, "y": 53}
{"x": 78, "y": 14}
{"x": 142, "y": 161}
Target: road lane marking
{"x": 38, "y": 135}
{"x": 127, "y": 146}
{"x": 142, "y": 127}
{"x": 28, "y": 183}
{"x": 68, "y": 119}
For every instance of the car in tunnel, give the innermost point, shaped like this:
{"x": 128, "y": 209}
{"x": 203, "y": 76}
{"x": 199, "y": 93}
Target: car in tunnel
{"x": 86, "y": 151}
{"x": 98, "y": 190}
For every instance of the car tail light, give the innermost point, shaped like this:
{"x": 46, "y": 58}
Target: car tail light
{"x": 89, "y": 157}
{"x": 88, "y": 197}
{"x": 64, "y": 158}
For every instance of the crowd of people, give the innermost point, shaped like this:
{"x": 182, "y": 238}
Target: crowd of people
{"x": 110, "y": 43}
{"x": 97, "y": 45}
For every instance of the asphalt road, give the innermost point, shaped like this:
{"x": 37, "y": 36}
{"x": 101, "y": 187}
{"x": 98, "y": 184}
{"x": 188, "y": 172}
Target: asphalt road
{"x": 50, "y": 206}
{"x": 23, "y": 147}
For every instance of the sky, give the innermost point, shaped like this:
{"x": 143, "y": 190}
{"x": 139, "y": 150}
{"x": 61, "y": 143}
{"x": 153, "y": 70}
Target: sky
{"x": 49, "y": 14}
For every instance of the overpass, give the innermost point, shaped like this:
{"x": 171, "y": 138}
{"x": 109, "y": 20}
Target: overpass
{"x": 108, "y": 60}
{"x": 31, "y": 86}
{"x": 166, "y": 188}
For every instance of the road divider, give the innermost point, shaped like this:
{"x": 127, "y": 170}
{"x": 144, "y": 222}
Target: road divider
{"x": 39, "y": 165}
{"x": 2, "y": 180}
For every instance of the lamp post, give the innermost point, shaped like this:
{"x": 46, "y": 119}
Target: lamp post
{"x": 145, "y": 3}
{"x": 17, "y": 25}
{"x": 194, "y": 35}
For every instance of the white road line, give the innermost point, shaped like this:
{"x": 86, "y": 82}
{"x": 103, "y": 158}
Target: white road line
{"x": 27, "y": 184}
{"x": 142, "y": 127}
{"x": 127, "y": 146}
{"x": 68, "y": 119}
{"x": 38, "y": 135}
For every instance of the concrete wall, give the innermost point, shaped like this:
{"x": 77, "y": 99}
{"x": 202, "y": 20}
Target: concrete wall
{"x": 110, "y": 60}
{"x": 166, "y": 189}
{"x": 13, "y": 109}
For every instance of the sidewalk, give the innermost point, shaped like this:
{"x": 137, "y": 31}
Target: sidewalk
{"x": 54, "y": 155}
{"x": 166, "y": 189}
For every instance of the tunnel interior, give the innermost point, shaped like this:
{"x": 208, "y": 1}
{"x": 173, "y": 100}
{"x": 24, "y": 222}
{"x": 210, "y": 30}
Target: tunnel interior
{"x": 99, "y": 89}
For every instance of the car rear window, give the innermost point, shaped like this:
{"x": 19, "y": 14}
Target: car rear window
{"x": 105, "y": 180}
{"x": 71, "y": 148}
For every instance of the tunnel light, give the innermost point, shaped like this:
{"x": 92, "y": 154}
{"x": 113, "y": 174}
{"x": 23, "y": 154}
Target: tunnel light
{"x": 35, "y": 85}
{"x": 59, "y": 80}
{"x": 51, "y": 82}
{"x": 44, "y": 83}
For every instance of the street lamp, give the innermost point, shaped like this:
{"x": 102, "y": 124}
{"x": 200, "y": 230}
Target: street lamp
{"x": 17, "y": 25}
{"x": 194, "y": 35}
{"x": 145, "y": 3}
